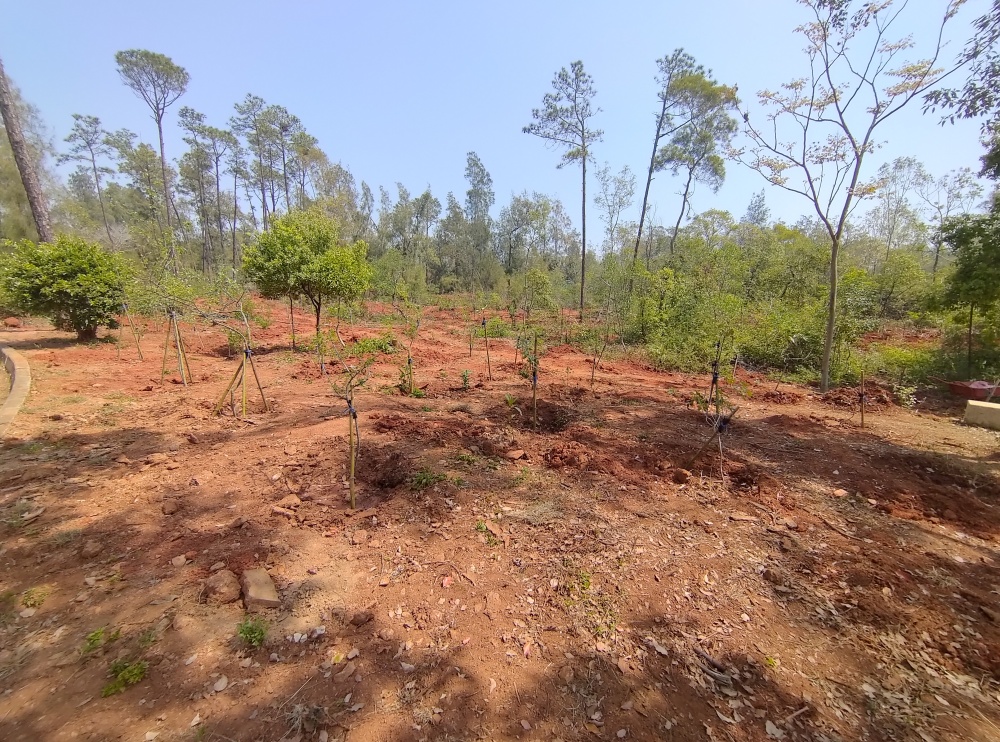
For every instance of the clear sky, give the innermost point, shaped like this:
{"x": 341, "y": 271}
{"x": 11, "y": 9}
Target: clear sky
{"x": 400, "y": 91}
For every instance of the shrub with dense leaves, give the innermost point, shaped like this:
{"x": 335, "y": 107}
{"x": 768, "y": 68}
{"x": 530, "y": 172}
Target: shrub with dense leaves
{"x": 73, "y": 282}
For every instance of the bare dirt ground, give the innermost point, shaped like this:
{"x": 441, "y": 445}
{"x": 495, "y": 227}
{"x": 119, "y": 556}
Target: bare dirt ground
{"x": 821, "y": 582}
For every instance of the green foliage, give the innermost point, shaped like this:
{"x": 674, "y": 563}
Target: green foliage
{"x": 426, "y": 478}
{"x": 497, "y": 328}
{"x": 465, "y": 379}
{"x": 252, "y": 630}
{"x": 302, "y": 254}
{"x": 384, "y": 343}
{"x": 75, "y": 283}
{"x": 124, "y": 674}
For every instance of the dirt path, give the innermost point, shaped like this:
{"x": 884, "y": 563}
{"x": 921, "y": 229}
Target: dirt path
{"x": 820, "y": 582}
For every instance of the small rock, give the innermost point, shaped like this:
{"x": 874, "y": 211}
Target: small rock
{"x": 222, "y": 587}
{"x": 386, "y": 634}
{"x": 681, "y": 476}
{"x": 221, "y": 684}
{"x": 179, "y": 561}
{"x": 840, "y": 493}
{"x": 384, "y": 582}
{"x": 274, "y": 657}
{"x": 353, "y": 653}
{"x": 621, "y": 733}
{"x": 196, "y": 720}
{"x": 169, "y": 507}
{"x": 258, "y": 589}
{"x": 28, "y": 612}
{"x": 359, "y": 536}
{"x": 514, "y": 455}
{"x": 289, "y": 501}
{"x": 361, "y": 618}
{"x": 791, "y": 524}
{"x": 246, "y": 662}
{"x": 150, "y": 736}
{"x": 525, "y": 725}
{"x": 216, "y": 567}
{"x": 156, "y": 458}
{"x": 407, "y": 667}
{"x": 346, "y": 673}
{"x": 91, "y": 549}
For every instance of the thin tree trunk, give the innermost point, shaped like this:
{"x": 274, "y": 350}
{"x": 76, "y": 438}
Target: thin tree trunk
{"x": 968, "y": 360}
{"x": 831, "y": 319}
{"x": 649, "y": 181}
{"x": 291, "y": 314}
{"x": 100, "y": 197}
{"x": 684, "y": 207}
{"x": 583, "y": 249}
{"x": 163, "y": 172}
{"x": 25, "y": 167}
{"x": 218, "y": 209}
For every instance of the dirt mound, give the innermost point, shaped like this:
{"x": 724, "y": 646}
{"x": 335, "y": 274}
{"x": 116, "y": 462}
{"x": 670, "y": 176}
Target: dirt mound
{"x": 877, "y": 397}
{"x": 384, "y": 467}
{"x": 781, "y": 397}
{"x": 571, "y": 454}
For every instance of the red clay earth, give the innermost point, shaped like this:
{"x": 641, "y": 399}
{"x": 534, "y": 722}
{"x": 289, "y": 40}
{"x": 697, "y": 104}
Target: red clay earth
{"x": 581, "y": 581}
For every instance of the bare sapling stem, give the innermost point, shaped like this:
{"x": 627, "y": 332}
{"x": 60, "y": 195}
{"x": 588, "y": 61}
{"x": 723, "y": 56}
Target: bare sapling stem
{"x": 291, "y": 315}
{"x": 486, "y": 337}
{"x": 166, "y": 347}
{"x": 135, "y": 332}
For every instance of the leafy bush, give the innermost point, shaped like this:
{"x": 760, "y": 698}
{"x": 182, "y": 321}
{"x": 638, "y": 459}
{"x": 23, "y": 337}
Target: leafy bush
{"x": 497, "y": 328}
{"x": 124, "y": 674}
{"x": 384, "y": 343}
{"x": 252, "y": 630}
{"x": 75, "y": 283}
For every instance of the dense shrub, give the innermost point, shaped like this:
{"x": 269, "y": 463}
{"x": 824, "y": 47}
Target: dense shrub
{"x": 75, "y": 283}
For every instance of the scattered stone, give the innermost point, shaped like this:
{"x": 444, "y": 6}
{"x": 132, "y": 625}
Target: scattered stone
{"x": 192, "y": 438}
{"x": 289, "y": 501}
{"x": 173, "y": 465}
{"x": 28, "y": 612}
{"x": 169, "y": 507}
{"x": 384, "y": 582}
{"x": 407, "y": 667}
{"x": 221, "y": 684}
{"x": 274, "y": 657}
{"x": 91, "y": 549}
{"x": 150, "y": 736}
{"x": 346, "y": 673}
{"x": 359, "y": 536}
{"x": 282, "y": 511}
{"x": 386, "y": 634}
{"x": 353, "y": 653}
{"x": 55, "y": 417}
{"x": 525, "y": 725}
{"x": 156, "y": 458}
{"x": 216, "y": 567}
{"x": 361, "y": 618}
{"x": 791, "y": 524}
{"x": 222, "y": 587}
{"x": 258, "y": 590}
{"x": 840, "y": 493}
{"x": 179, "y": 561}
{"x": 514, "y": 455}
{"x": 196, "y": 720}
{"x": 681, "y": 476}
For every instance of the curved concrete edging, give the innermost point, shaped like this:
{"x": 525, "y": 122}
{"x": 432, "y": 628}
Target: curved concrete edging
{"x": 20, "y": 384}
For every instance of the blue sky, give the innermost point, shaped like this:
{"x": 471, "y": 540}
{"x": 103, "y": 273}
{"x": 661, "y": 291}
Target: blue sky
{"x": 401, "y": 91}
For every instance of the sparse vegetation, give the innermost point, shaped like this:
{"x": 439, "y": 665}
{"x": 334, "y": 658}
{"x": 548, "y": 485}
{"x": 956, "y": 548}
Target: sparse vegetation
{"x": 124, "y": 674}
{"x": 252, "y": 630}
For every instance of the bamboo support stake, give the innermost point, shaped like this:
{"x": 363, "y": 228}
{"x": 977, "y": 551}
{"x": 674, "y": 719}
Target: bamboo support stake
{"x": 486, "y": 337}
{"x": 166, "y": 347}
{"x": 180, "y": 351}
{"x": 534, "y": 385}
{"x": 232, "y": 383}
{"x": 135, "y": 332}
{"x": 710, "y": 441}
{"x": 351, "y": 417}
{"x": 256, "y": 378}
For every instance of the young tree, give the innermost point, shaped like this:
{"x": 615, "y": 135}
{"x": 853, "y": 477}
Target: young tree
{"x": 820, "y": 128}
{"x": 564, "y": 121}
{"x": 693, "y": 150}
{"x": 952, "y": 194}
{"x": 301, "y": 254}
{"x": 75, "y": 283}
{"x": 686, "y": 90}
{"x": 616, "y": 193}
{"x": 25, "y": 163}
{"x": 975, "y": 282}
{"x": 159, "y": 82}
{"x": 87, "y": 140}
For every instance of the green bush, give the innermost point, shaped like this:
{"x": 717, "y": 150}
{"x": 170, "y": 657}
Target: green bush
{"x": 252, "y": 630}
{"x": 75, "y": 283}
{"x": 496, "y": 328}
{"x": 384, "y": 343}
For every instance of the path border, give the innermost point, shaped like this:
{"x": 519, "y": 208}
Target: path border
{"x": 20, "y": 384}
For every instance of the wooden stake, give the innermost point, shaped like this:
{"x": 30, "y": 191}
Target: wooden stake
{"x": 534, "y": 385}
{"x": 486, "y": 337}
{"x": 232, "y": 383}
{"x": 135, "y": 332}
{"x": 180, "y": 351}
{"x": 253, "y": 368}
{"x": 711, "y": 440}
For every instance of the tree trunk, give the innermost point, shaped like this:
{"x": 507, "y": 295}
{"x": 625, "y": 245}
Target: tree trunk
{"x": 26, "y": 168}
{"x": 968, "y": 359}
{"x": 831, "y": 319}
{"x": 583, "y": 248}
{"x": 649, "y": 181}
{"x": 218, "y": 209}
{"x": 87, "y": 334}
{"x": 684, "y": 206}
{"x": 163, "y": 172}
{"x": 291, "y": 314}
{"x": 100, "y": 197}
{"x": 236, "y": 209}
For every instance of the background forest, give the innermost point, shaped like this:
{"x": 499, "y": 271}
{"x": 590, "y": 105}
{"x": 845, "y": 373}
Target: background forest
{"x": 891, "y": 268}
